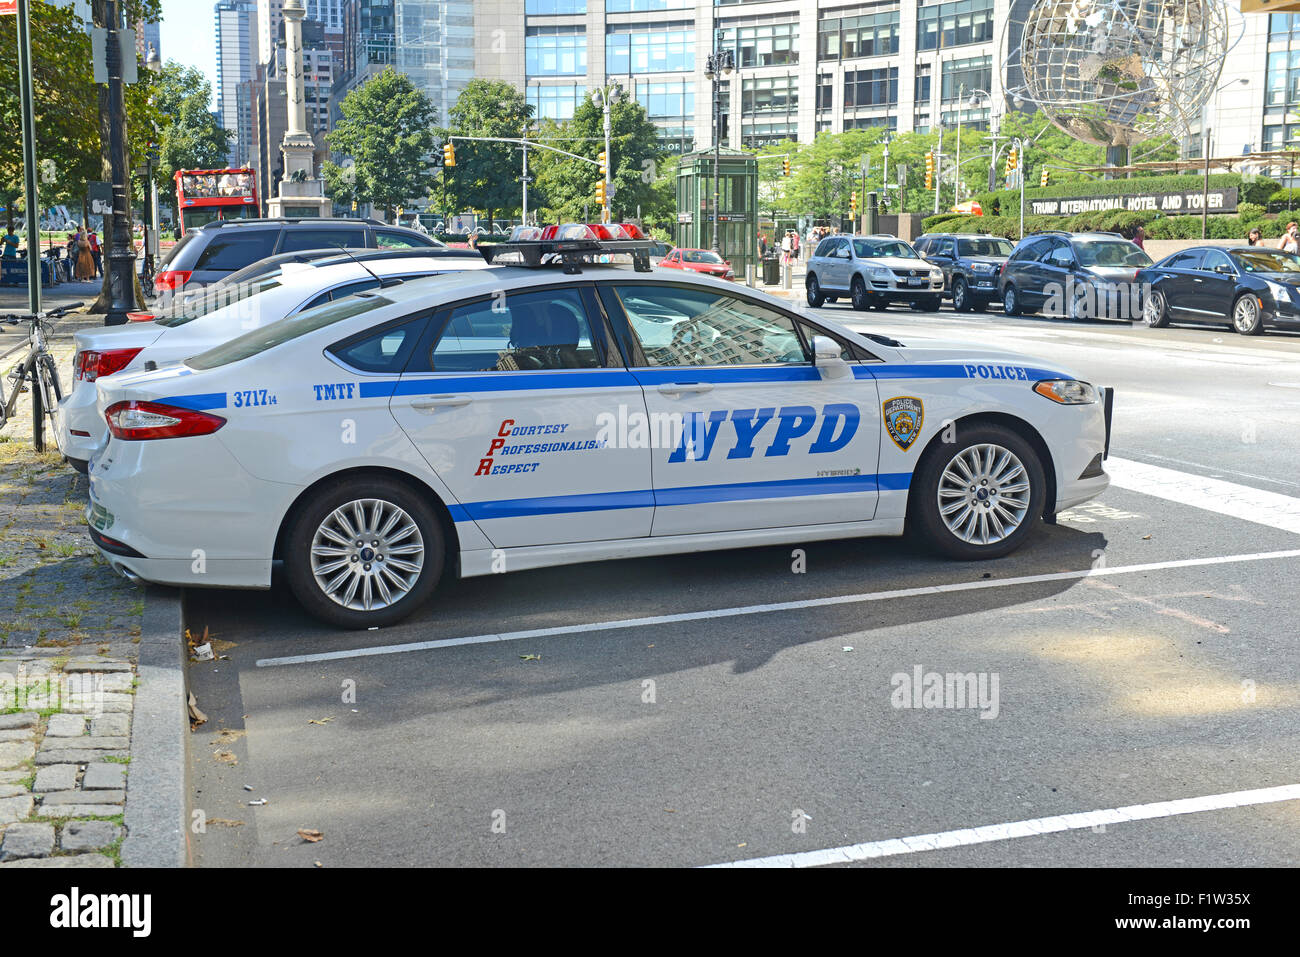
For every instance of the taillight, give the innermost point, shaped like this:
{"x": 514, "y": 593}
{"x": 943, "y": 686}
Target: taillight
{"x": 173, "y": 279}
{"x": 138, "y": 421}
{"x": 93, "y": 363}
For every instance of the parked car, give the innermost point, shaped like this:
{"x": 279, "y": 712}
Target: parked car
{"x": 970, "y": 266}
{"x": 213, "y": 251}
{"x": 221, "y": 312}
{"x": 1247, "y": 287}
{"x": 873, "y": 271}
{"x": 480, "y": 402}
{"x": 1073, "y": 275}
{"x": 703, "y": 261}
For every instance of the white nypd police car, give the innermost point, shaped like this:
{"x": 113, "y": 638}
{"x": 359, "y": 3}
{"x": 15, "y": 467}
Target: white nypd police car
{"x": 516, "y": 417}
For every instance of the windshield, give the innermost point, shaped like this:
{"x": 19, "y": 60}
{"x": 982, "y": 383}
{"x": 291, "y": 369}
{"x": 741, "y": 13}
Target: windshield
{"x": 284, "y": 330}
{"x": 700, "y": 256}
{"x": 212, "y": 299}
{"x": 877, "y": 248}
{"x": 1267, "y": 260}
{"x": 1110, "y": 254}
{"x": 984, "y": 247}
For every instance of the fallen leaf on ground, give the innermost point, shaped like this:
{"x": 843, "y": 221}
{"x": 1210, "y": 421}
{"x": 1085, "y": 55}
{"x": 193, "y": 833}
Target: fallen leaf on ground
{"x": 197, "y": 717}
{"x": 310, "y": 834}
{"x": 321, "y": 721}
{"x": 225, "y": 822}
{"x": 225, "y": 757}
{"x": 531, "y": 657}
{"x": 228, "y": 736}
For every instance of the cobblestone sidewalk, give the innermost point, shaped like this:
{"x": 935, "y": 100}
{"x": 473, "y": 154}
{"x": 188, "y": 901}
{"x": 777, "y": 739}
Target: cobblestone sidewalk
{"x": 69, "y": 630}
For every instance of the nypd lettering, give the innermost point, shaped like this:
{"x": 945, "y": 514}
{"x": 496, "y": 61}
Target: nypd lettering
{"x": 983, "y": 371}
{"x": 903, "y": 417}
{"x": 777, "y": 428}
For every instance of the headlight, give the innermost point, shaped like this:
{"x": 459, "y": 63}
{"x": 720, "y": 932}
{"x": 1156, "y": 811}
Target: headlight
{"x": 1283, "y": 291}
{"x": 982, "y": 267}
{"x": 879, "y": 272}
{"x": 936, "y": 273}
{"x": 1066, "y": 391}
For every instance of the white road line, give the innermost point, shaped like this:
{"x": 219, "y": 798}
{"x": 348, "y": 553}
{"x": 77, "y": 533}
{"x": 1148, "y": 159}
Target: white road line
{"x": 1017, "y": 829}
{"x": 1214, "y": 495}
{"x": 1216, "y": 468}
{"x": 830, "y": 601}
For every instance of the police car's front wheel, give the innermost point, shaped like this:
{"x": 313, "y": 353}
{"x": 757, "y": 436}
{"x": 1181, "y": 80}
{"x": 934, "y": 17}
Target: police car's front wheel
{"x": 977, "y": 497}
{"x": 366, "y": 553}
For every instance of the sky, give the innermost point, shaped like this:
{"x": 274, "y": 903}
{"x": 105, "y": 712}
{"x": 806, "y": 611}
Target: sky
{"x": 187, "y": 36}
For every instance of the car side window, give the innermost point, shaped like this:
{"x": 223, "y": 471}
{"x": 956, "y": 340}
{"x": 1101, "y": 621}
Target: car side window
{"x": 846, "y": 350}
{"x": 1213, "y": 260}
{"x": 1185, "y": 260}
{"x": 392, "y": 239}
{"x": 1060, "y": 255}
{"x": 942, "y": 248}
{"x": 825, "y": 248}
{"x": 524, "y": 332}
{"x": 842, "y": 249}
{"x": 233, "y": 252}
{"x": 680, "y": 326}
{"x": 383, "y": 351}
{"x": 322, "y": 238}
{"x": 1030, "y": 251}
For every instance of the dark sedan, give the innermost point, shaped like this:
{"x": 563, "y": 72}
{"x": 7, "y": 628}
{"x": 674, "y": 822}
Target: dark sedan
{"x": 1247, "y": 287}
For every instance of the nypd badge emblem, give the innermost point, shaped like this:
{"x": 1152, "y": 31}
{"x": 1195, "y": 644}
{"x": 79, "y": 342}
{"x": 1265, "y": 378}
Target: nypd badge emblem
{"x": 903, "y": 417}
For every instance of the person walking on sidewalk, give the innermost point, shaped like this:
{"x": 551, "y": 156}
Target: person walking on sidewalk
{"x": 10, "y": 242}
{"x": 85, "y": 270}
{"x": 96, "y": 253}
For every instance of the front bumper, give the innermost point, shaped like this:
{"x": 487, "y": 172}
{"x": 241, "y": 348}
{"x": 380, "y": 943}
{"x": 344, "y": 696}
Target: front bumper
{"x": 1079, "y": 473}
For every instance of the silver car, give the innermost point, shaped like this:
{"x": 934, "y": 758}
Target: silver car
{"x": 872, "y": 271}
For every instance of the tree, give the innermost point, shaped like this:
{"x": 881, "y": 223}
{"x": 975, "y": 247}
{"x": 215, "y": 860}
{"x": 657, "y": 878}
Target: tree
{"x": 568, "y": 185}
{"x": 190, "y": 137}
{"x": 486, "y": 174}
{"x": 388, "y": 133}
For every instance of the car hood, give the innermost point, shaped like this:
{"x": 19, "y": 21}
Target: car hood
{"x": 980, "y": 362}
{"x": 1114, "y": 272}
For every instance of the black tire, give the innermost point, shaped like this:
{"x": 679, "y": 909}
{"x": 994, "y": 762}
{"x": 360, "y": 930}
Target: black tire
{"x": 923, "y": 510}
{"x": 1247, "y": 317}
{"x": 1155, "y": 310}
{"x": 38, "y": 410}
{"x": 1011, "y": 302}
{"x": 309, "y": 519}
{"x": 48, "y": 393}
{"x": 816, "y": 298}
{"x": 960, "y": 294}
{"x": 858, "y": 295}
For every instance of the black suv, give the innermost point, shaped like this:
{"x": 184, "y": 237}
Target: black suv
{"x": 215, "y": 250}
{"x": 1073, "y": 275}
{"x": 970, "y": 266}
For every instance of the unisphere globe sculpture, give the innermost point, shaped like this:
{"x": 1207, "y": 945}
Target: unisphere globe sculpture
{"x": 1115, "y": 72}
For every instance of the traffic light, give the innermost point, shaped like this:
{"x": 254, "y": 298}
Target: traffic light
{"x": 1043, "y": 178}
{"x": 448, "y": 154}
{"x": 785, "y": 166}
{"x": 604, "y": 164}
{"x": 600, "y": 192}
{"x": 853, "y": 202}
{"x": 929, "y": 170}
{"x": 1011, "y": 161}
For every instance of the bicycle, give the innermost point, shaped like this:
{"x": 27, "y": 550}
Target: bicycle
{"x": 38, "y": 368}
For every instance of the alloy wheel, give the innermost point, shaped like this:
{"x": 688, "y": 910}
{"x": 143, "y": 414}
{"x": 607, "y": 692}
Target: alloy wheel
{"x": 984, "y": 494}
{"x": 367, "y": 554}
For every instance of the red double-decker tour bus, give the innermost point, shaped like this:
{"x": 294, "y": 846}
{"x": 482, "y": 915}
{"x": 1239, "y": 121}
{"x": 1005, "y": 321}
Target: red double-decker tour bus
{"x": 205, "y": 195}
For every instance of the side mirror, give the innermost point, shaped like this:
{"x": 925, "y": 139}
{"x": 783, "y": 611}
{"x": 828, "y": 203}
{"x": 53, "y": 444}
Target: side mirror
{"x": 1224, "y": 268}
{"x": 826, "y": 355}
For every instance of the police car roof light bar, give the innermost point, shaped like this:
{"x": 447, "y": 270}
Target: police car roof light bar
{"x": 571, "y": 245}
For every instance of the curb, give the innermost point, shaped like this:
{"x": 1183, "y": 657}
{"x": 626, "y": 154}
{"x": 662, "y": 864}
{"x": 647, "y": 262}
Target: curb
{"x": 157, "y": 793}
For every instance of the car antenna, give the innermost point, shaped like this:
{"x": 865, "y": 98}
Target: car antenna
{"x": 383, "y": 283}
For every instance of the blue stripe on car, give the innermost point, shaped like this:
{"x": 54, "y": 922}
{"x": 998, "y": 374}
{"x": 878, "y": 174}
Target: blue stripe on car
{"x": 198, "y": 403}
{"x": 686, "y": 495}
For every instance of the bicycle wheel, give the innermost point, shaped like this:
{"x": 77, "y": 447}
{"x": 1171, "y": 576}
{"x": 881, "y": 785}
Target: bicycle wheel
{"x": 46, "y": 394}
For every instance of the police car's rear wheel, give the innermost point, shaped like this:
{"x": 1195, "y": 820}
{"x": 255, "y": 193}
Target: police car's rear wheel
{"x": 364, "y": 553}
{"x": 977, "y": 498}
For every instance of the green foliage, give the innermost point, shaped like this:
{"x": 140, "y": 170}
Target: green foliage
{"x": 191, "y": 137}
{"x": 387, "y": 130}
{"x": 641, "y": 175}
{"x": 1249, "y": 212}
{"x": 486, "y": 175}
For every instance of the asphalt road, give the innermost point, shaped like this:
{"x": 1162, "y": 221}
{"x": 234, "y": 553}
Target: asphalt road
{"x": 730, "y": 733}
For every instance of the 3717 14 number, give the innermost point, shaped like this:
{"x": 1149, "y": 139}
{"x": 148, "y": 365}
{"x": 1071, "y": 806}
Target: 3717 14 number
{"x": 251, "y": 397}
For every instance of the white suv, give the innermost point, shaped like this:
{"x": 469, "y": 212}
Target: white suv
{"x": 872, "y": 271}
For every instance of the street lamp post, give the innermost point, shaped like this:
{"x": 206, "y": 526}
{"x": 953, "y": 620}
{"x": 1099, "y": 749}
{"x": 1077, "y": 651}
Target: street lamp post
{"x": 606, "y": 97}
{"x": 154, "y": 64}
{"x": 717, "y": 64}
{"x": 121, "y": 283}
{"x": 1205, "y": 151}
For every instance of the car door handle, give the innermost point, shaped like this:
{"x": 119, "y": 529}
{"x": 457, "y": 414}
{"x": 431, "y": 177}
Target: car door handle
{"x": 678, "y": 388}
{"x": 1197, "y": 279}
{"x": 430, "y": 402}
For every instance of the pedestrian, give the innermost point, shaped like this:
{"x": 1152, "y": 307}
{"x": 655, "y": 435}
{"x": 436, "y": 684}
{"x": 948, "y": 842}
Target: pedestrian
{"x": 785, "y": 249}
{"x": 1139, "y": 238}
{"x": 794, "y": 247}
{"x": 85, "y": 269}
{"x": 1290, "y": 241}
{"x": 10, "y": 242}
{"x": 1254, "y": 236}
{"x": 96, "y": 253}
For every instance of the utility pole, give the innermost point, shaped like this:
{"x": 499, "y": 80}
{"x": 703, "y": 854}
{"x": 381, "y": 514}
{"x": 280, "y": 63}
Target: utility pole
{"x": 938, "y": 169}
{"x": 718, "y": 63}
{"x": 122, "y": 258}
{"x": 31, "y": 198}
{"x": 1020, "y": 174}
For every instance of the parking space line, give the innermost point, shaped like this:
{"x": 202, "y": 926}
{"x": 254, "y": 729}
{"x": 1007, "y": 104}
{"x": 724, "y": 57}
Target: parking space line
{"x": 1017, "y": 829}
{"x": 1215, "y": 495}
{"x": 829, "y": 601}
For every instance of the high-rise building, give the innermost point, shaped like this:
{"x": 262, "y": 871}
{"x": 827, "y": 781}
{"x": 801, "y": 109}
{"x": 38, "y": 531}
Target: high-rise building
{"x": 431, "y": 41}
{"x": 234, "y": 21}
{"x": 270, "y": 23}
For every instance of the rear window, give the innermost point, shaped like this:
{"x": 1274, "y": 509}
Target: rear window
{"x": 1117, "y": 253}
{"x": 233, "y": 250}
{"x": 984, "y": 247}
{"x": 213, "y": 298}
{"x": 400, "y": 239}
{"x": 285, "y": 330}
{"x": 175, "y": 251}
